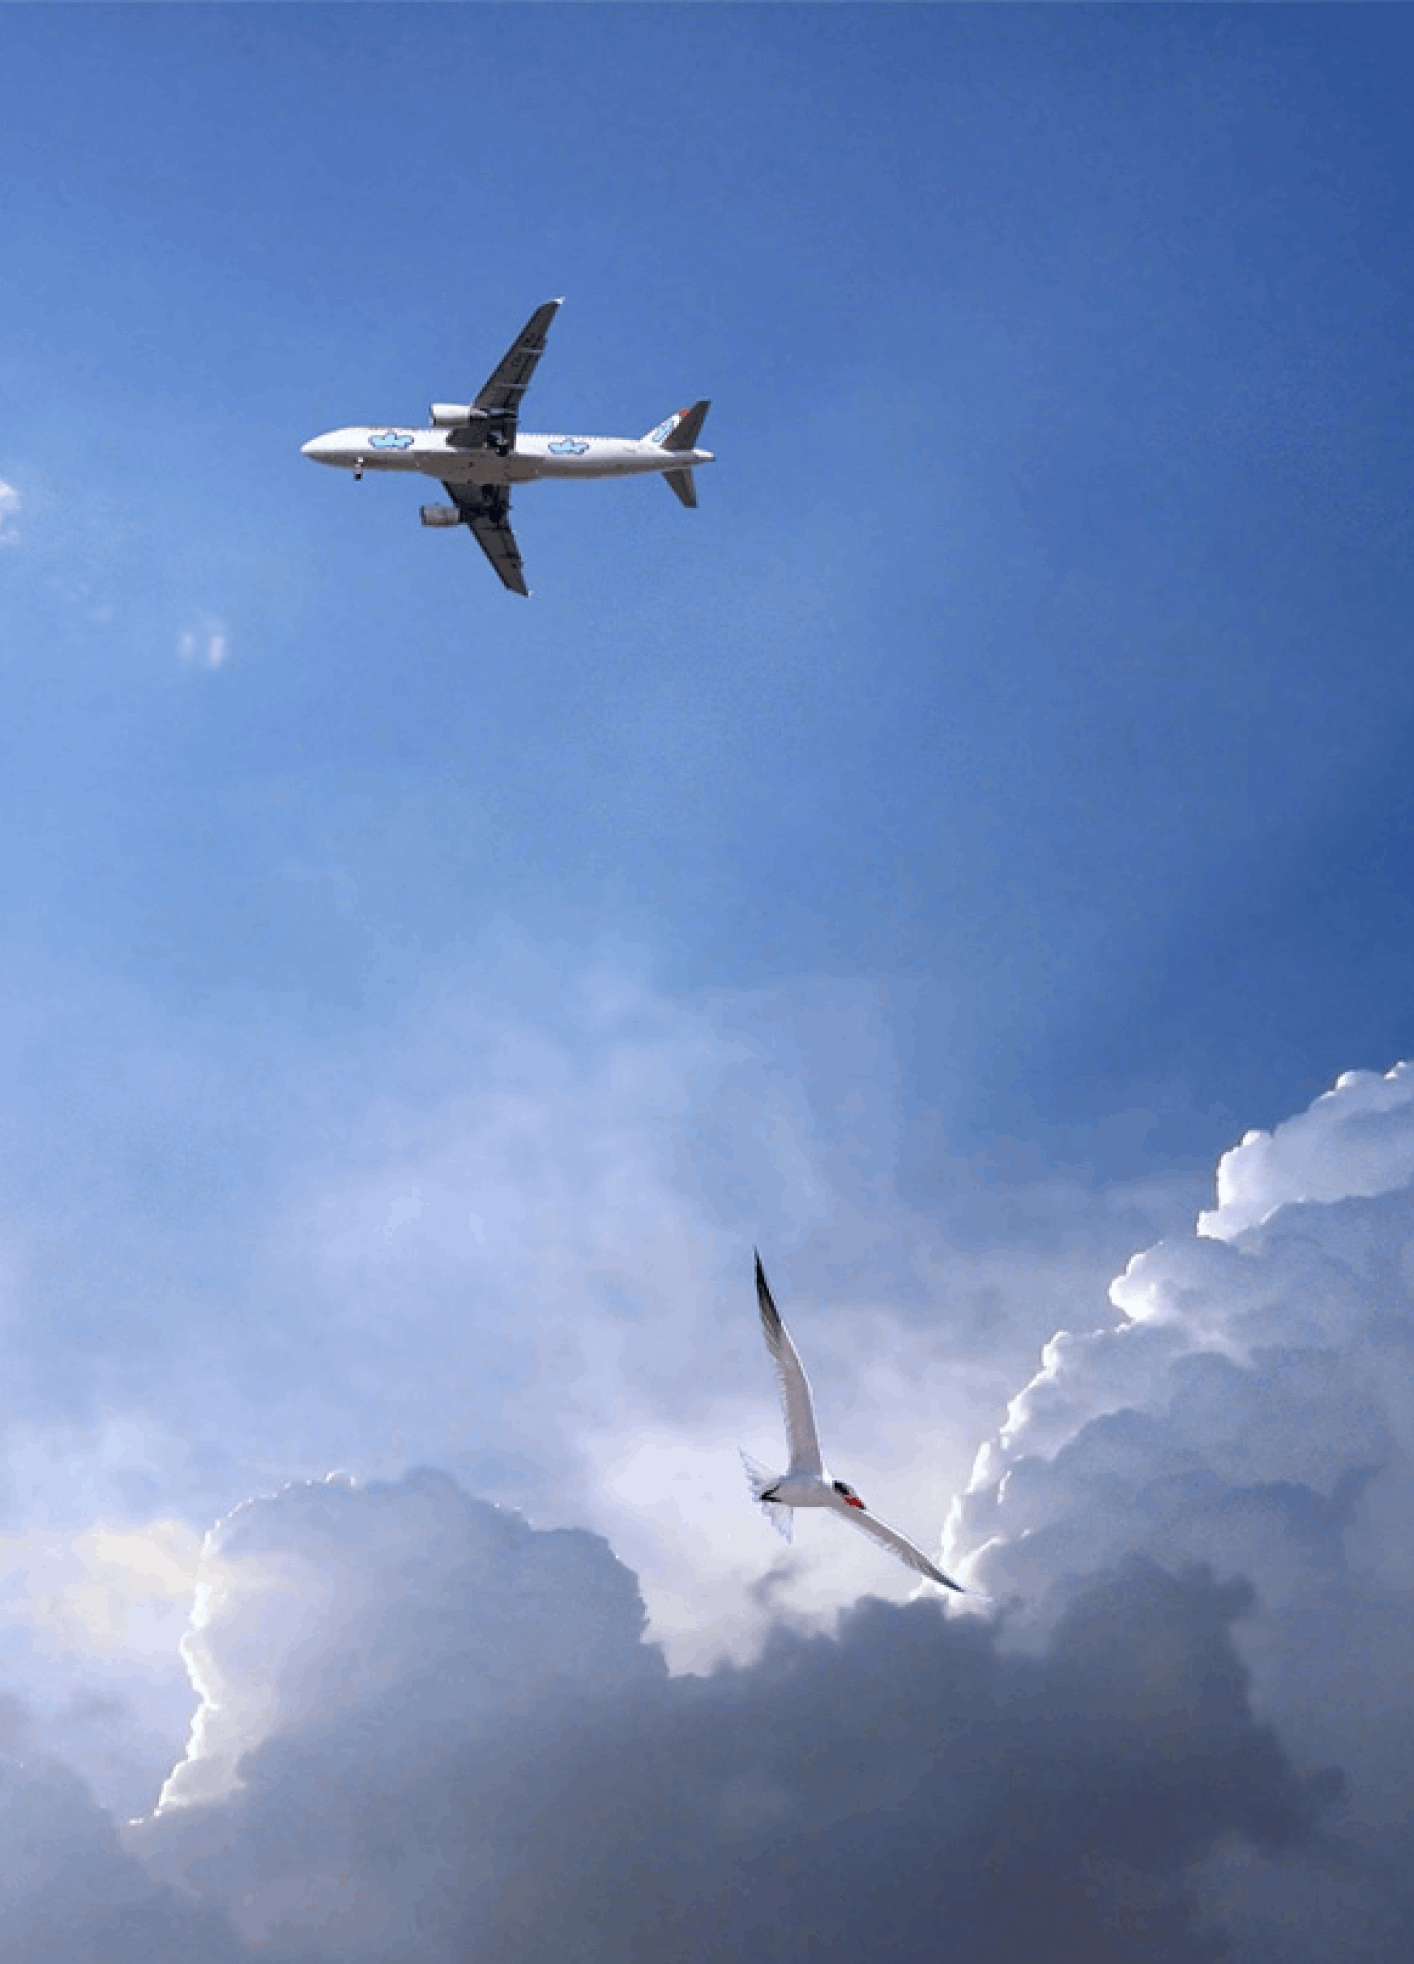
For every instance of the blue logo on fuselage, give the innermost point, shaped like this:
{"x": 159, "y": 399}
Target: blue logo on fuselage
{"x": 568, "y": 446}
{"x": 389, "y": 440}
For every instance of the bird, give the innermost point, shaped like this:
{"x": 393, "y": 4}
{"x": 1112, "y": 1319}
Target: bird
{"x": 807, "y": 1483}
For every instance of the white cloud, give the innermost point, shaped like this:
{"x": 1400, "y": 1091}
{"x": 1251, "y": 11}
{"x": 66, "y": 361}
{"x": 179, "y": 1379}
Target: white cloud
{"x": 321, "y": 1599}
{"x": 1254, "y": 1411}
{"x": 1358, "y": 1138}
{"x": 204, "y": 646}
{"x": 9, "y": 505}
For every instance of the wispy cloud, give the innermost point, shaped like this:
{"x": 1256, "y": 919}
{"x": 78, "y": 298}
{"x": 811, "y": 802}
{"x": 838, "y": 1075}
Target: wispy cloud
{"x": 9, "y": 505}
{"x": 207, "y": 645}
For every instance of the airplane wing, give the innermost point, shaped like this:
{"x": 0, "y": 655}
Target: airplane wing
{"x": 510, "y": 379}
{"x": 794, "y": 1386}
{"x": 486, "y": 509}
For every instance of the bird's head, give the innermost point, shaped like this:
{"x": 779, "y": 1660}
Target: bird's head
{"x": 849, "y": 1496}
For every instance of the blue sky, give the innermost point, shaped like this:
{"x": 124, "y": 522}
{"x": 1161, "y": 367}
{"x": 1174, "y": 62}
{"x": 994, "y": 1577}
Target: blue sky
{"x": 924, "y": 859}
{"x": 1043, "y": 638}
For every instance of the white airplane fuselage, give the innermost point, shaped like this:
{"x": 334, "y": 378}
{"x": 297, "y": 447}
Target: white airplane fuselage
{"x": 447, "y": 456}
{"x": 479, "y": 453}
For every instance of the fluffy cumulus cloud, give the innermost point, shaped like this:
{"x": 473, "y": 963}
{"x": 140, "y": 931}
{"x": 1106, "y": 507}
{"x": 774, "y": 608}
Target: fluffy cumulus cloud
{"x": 331, "y": 1600}
{"x": 1356, "y": 1139}
{"x": 9, "y": 505}
{"x": 433, "y": 1732}
{"x": 1254, "y": 1410}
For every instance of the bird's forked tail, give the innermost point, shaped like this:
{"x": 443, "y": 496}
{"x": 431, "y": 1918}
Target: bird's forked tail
{"x": 761, "y": 1480}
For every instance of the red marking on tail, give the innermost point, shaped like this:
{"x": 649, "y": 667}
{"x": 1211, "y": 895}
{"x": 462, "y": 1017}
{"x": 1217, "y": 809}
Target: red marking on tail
{"x": 853, "y": 1500}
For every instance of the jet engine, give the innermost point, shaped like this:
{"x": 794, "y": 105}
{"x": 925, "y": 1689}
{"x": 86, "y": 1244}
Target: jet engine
{"x": 455, "y": 415}
{"x": 441, "y": 515}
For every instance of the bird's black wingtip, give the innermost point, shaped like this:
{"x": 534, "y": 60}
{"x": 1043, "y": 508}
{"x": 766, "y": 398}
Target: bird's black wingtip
{"x": 764, "y": 1297}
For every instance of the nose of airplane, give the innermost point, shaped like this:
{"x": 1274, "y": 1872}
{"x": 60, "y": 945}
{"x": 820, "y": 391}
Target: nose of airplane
{"x": 320, "y": 448}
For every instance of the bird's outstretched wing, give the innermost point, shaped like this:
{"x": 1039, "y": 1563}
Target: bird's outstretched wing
{"x": 897, "y": 1544}
{"x": 794, "y": 1385}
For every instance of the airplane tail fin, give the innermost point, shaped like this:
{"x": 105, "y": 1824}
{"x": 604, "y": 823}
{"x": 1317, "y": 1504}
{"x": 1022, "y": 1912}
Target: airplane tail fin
{"x": 683, "y": 487}
{"x": 681, "y": 430}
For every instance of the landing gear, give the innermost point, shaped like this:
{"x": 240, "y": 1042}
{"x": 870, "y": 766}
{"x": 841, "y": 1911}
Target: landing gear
{"x": 358, "y": 469}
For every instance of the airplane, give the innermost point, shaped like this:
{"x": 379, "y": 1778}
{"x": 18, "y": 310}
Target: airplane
{"x": 477, "y": 451}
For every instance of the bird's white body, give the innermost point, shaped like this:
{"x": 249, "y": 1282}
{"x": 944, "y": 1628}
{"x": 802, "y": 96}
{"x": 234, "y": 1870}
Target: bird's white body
{"x": 807, "y": 1482}
{"x": 806, "y": 1490}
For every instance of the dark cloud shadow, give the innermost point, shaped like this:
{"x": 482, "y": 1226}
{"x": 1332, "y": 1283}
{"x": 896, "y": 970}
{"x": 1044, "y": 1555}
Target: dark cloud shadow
{"x": 908, "y": 1786}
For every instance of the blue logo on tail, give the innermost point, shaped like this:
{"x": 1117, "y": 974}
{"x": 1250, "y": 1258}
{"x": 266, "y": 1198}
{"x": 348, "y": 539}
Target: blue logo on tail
{"x": 568, "y": 446}
{"x": 389, "y": 440}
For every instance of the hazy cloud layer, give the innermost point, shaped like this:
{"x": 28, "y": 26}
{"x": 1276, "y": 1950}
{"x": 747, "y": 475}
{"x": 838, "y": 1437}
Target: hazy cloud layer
{"x": 9, "y": 505}
{"x": 90, "y": 1624}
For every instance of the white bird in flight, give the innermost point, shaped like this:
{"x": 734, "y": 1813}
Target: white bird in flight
{"x": 806, "y": 1483}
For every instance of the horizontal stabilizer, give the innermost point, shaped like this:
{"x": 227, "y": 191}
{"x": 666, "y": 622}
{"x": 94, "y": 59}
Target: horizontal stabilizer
{"x": 681, "y": 484}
